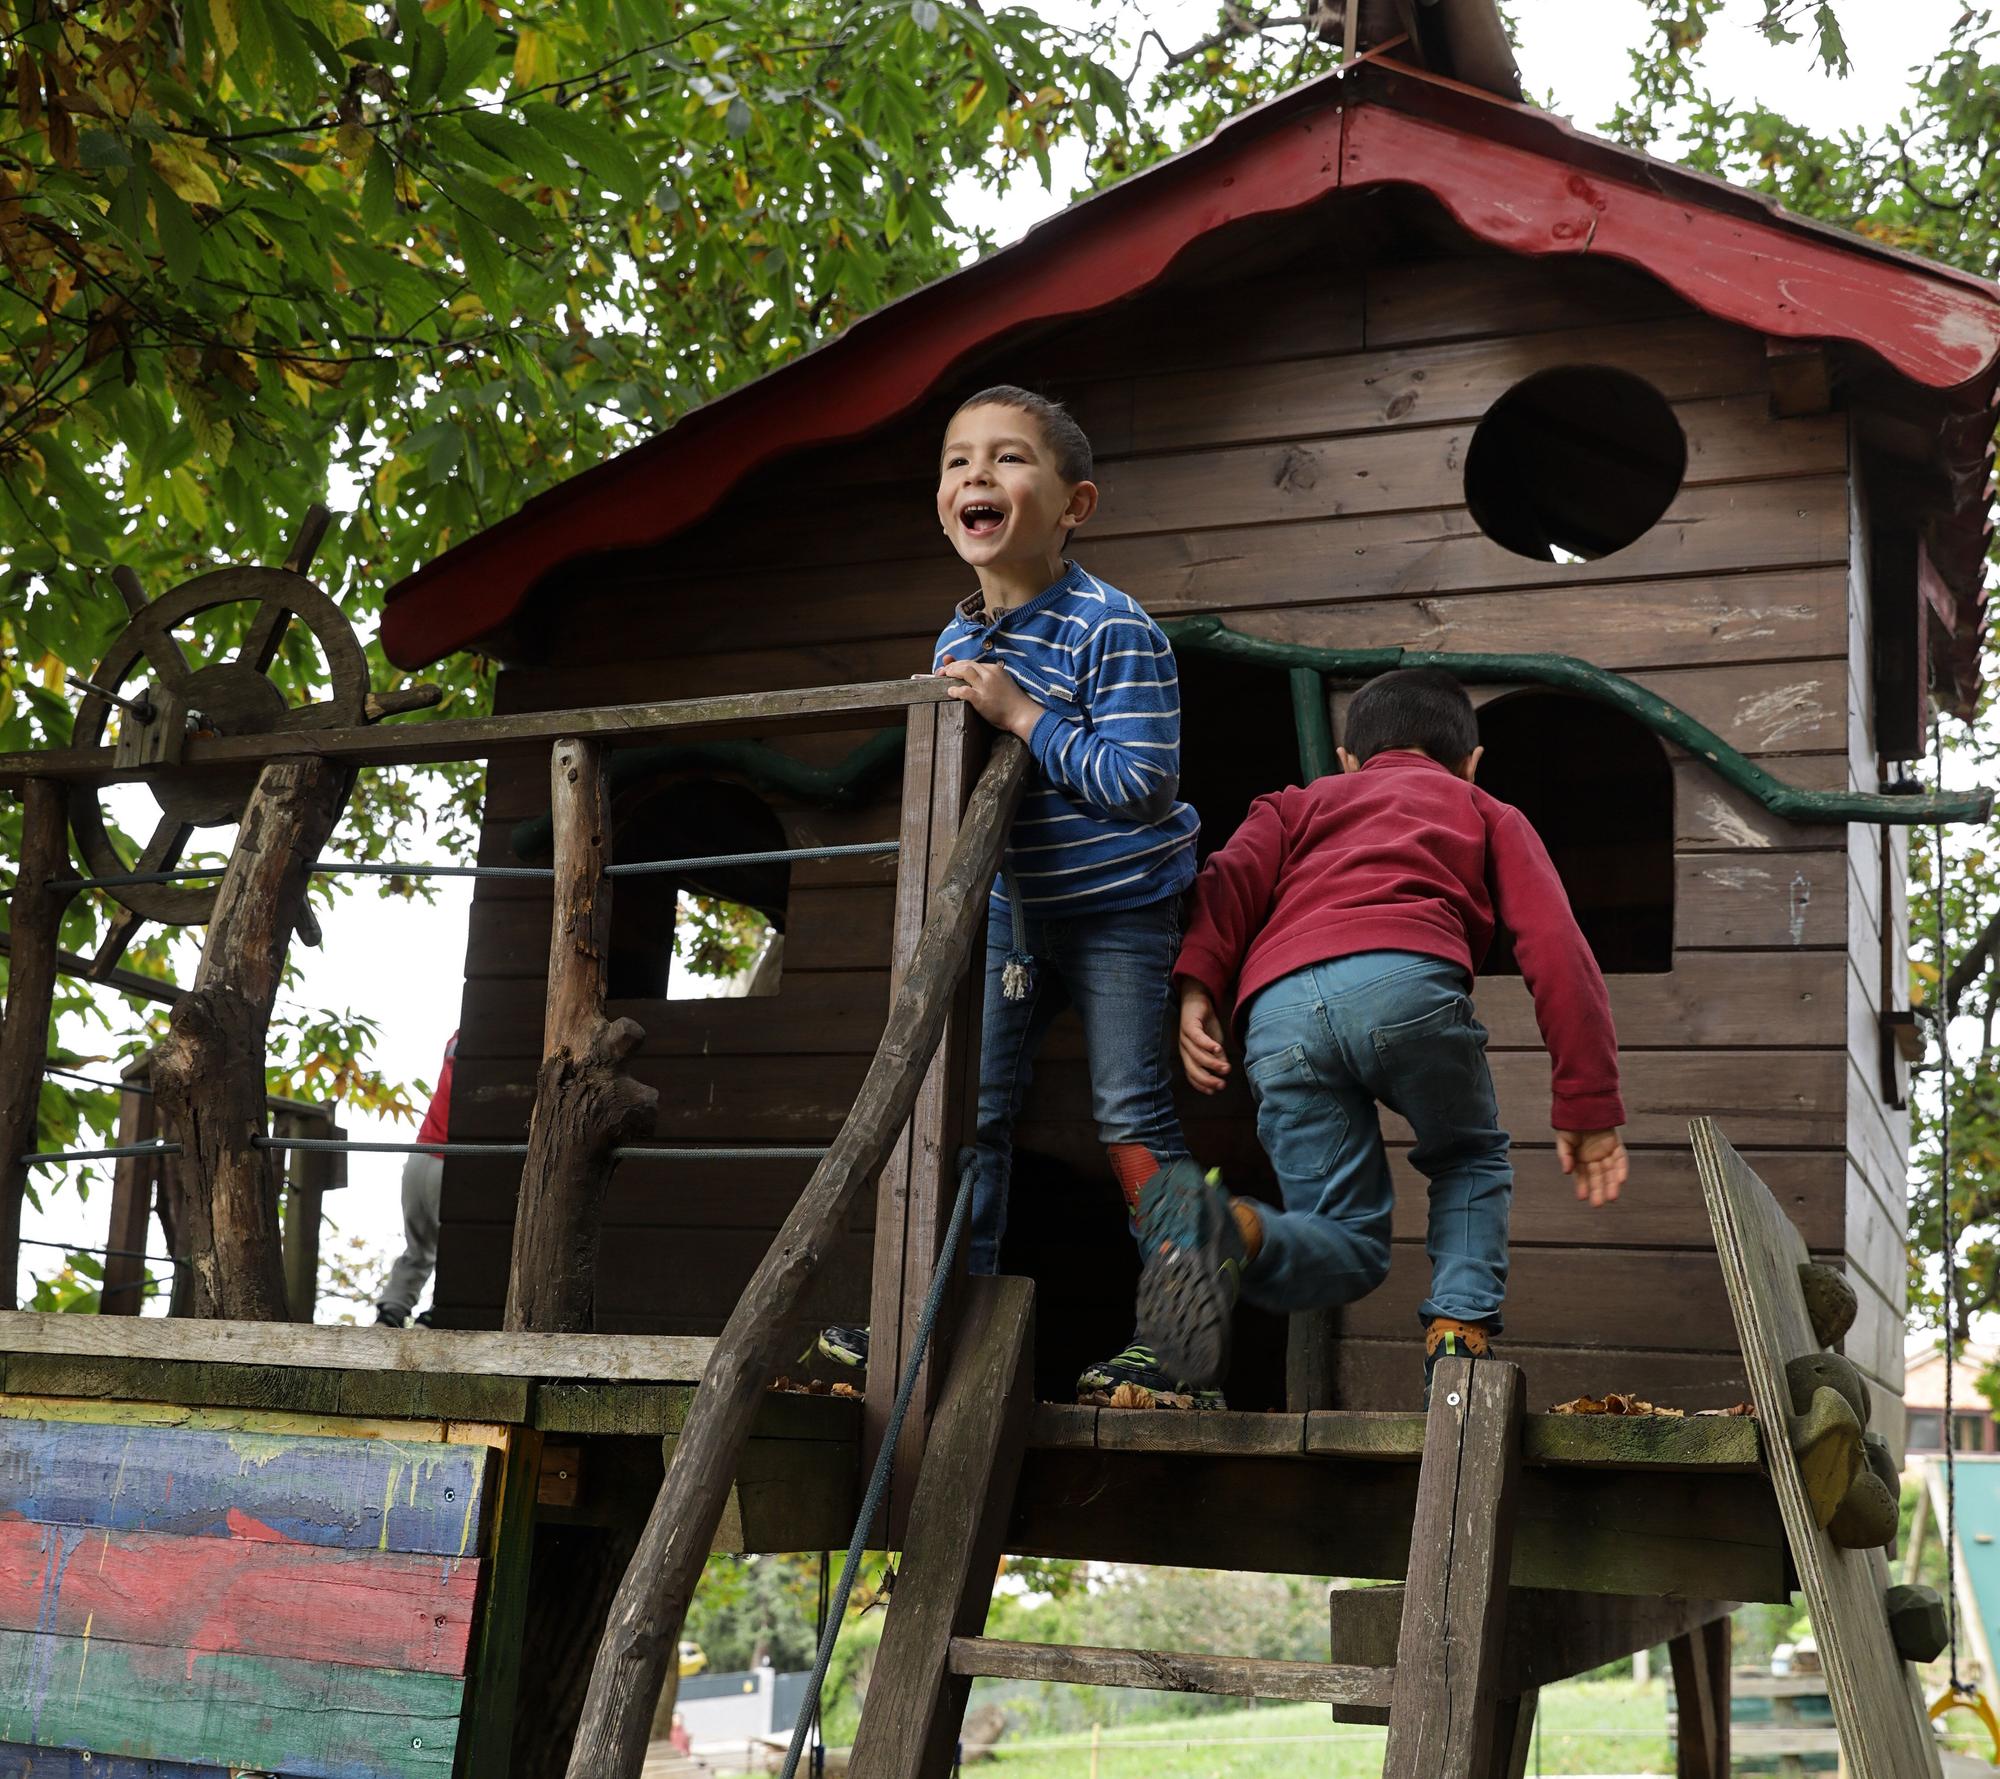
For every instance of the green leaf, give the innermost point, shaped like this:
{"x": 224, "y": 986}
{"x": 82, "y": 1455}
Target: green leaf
{"x": 378, "y": 190}
{"x": 428, "y": 56}
{"x": 593, "y": 146}
{"x": 485, "y": 265}
{"x": 180, "y": 234}
{"x": 519, "y": 147}
{"x": 505, "y": 216}
{"x": 736, "y": 120}
{"x": 468, "y": 58}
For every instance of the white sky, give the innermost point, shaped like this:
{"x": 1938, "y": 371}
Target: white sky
{"x": 401, "y": 964}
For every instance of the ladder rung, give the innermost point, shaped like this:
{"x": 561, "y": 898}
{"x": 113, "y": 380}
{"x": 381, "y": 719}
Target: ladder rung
{"x": 1233, "y": 1677}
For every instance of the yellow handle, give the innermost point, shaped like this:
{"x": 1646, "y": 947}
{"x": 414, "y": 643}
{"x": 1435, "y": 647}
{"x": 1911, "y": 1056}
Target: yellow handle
{"x": 1964, "y": 1698}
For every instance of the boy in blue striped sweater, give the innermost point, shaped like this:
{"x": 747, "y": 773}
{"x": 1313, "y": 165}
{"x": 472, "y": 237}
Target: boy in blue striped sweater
{"x": 1087, "y": 912}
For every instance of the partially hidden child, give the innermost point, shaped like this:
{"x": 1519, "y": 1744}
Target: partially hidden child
{"x": 1087, "y": 910}
{"x": 1344, "y": 923}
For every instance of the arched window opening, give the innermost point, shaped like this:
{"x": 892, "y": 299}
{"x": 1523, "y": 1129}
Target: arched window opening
{"x": 1238, "y": 740}
{"x": 1599, "y": 791}
{"x": 715, "y": 931}
{"x": 1572, "y": 464}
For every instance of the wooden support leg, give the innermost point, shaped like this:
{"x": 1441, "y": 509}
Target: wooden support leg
{"x": 31, "y": 983}
{"x": 1441, "y": 1713}
{"x": 1513, "y": 1736}
{"x": 910, "y": 1723}
{"x": 124, "y": 1292}
{"x": 1701, "y": 1690}
{"x": 1312, "y": 1343}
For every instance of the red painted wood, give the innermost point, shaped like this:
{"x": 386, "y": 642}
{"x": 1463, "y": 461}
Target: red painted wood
{"x": 255, "y": 1595}
{"x": 1937, "y": 329}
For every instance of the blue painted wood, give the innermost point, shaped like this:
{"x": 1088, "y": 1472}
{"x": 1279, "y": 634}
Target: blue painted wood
{"x": 17, "y": 1761}
{"x": 358, "y": 1494}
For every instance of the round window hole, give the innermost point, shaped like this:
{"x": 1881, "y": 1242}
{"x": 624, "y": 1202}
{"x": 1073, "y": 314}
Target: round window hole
{"x": 1572, "y": 464}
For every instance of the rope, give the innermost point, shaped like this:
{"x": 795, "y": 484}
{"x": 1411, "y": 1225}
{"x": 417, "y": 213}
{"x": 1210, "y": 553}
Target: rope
{"x": 540, "y": 873}
{"x": 878, "y": 1483}
{"x": 28, "y": 1241}
{"x": 1946, "y": 1232}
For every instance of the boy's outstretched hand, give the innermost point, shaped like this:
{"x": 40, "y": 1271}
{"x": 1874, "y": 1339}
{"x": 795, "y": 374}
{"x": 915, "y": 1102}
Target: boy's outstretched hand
{"x": 1202, "y": 1053}
{"x": 991, "y": 691}
{"x": 1597, "y": 1159}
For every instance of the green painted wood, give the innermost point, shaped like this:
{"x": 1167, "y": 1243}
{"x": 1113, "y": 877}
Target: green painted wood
{"x": 1309, "y": 715}
{"x": 392, "y": 1395}
{"x": 1567, "y": 673}
{"x": 306, "y": 1720}
{"x": 496, "y": 1661}
{"x": 650, "y": 1409}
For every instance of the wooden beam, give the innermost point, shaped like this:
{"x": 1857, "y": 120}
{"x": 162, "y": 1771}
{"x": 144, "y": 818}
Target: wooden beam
{"x": 131, "y": 982}
{"x": 1229, "y": 1677}
{"x": 208, "y": 1071}
{"x": 868, "y": 705}
{"x": 1700, "y": 1660}
{"x": 585, "y": 1102}
{"x": 652, "y": 1601}
{"x": 31, "y": 981}
{"x": 609, "y": 1358}
{"x": 916, "y": 1696}
{"x": 1461, "y": 1548}
{"x": 132, "y": 1179}
{"x": 1514, "y": 1736}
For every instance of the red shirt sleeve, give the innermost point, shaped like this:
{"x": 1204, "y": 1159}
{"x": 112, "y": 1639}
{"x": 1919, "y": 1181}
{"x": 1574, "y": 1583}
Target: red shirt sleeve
{"x": 1571, "y": 1005}
{"x": 436, "y": 1127}
{"x": 1232, "y": 896}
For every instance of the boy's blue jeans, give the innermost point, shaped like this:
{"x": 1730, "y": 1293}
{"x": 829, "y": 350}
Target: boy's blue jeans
{"x": 1116, "y": 970}
{"x": 1321, "y": 1047}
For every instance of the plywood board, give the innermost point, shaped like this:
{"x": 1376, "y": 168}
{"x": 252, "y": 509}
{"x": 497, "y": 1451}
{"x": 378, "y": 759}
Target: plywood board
{"x": 1876, "y": 1700}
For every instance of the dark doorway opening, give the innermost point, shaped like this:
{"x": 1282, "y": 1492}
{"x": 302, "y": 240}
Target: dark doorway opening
{"x": 1599, "y": 790}
{"x": 1238, "y": 740}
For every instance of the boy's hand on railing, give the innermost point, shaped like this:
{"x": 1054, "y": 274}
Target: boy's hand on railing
{"x": 1202, "y": 1052}
{"x": 991, "y": 691}
{"x": 1597, "y": 1158}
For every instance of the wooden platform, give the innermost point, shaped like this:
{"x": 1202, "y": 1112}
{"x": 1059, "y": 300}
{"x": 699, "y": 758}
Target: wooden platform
{"x": 1611, "y": 1504}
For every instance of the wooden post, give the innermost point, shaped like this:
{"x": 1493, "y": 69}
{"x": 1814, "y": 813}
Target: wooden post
{"x": 585, "y": 1104}
{"x": 208, "y": 1072}
{"x": 652, "y": 1600}
{"x": 308, "y": 1172}
{"x": 1514, "y": 1736}
{"x": 1441, "y": 1714}
{"x": 910, "y": 1722}
{"x": 31, "y": 984}
{"x": 124, "y": 1292}
{"x": 915, "y": 1195}
{"x": 1700, "y": 1660}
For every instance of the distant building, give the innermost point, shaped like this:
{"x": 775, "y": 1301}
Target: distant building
{"x": 1923, "y": 1399}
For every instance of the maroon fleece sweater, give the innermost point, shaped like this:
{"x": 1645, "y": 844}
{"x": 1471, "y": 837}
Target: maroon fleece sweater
{"x": 1404, "y": 855}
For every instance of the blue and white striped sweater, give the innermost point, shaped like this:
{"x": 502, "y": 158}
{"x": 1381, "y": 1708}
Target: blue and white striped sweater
{"x": 1101, "y": 826}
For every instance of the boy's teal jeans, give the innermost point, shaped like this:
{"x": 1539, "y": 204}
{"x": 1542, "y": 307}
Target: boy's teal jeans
{"x": 1322, "y": 1047}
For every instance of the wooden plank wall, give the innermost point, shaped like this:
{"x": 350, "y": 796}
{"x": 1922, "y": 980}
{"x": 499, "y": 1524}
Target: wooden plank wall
{"x": 1288, "y": 452}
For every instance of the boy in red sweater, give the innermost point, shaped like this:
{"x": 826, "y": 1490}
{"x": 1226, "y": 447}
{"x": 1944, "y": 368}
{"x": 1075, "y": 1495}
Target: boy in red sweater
{"x": 1345, "y": 920}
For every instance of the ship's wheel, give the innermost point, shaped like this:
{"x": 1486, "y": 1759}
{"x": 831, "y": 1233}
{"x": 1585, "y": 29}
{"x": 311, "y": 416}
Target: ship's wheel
{"x": 147, "y": 678}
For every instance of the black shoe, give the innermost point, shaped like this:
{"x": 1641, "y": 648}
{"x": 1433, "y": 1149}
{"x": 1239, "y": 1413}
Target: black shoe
{"x": 1446, "y": 1338}
{"x": 1140, "y": 1367}
{"x": 385, "y": 1317}
{"x": 1193, "y": 1272}
{"x": 845, "y": 1347}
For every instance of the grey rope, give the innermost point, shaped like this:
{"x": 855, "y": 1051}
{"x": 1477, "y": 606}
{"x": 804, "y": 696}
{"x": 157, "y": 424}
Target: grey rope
{"x": 878, "y": 1483}
{"x": 542, "y": 873}
{"x": 118, "y": 1152}
{"x": 28, "y": 1241}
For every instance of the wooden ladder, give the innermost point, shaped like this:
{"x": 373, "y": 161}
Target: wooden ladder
{"x": 1442, "y": 1697}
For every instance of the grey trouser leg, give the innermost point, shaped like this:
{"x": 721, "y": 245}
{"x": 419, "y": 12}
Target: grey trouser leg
{"x": 423, "y": 1183}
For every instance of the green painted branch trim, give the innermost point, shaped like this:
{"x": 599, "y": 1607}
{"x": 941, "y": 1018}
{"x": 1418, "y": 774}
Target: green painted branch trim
{"x": 1315, "y": 727}
{"x": 762, "y": 767}
{"x": 1567, "y": 673}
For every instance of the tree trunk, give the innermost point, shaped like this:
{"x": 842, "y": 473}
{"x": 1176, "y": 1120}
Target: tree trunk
{"x": 585, "y": 1105}
{"x": 31, "y": 983}
{"x": 208, "y": 1072}
{"x": 652, "y": 1601}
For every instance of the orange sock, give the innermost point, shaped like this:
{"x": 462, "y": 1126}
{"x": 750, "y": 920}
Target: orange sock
{"x": 1249, "y": 1224}
{"x": 1132, "y": 1165}
{"x": 1471, "y": 1333}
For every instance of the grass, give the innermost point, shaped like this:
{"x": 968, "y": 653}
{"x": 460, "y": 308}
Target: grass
{"x": 1604, "y": 1726}
{"x": 1587, "y": 1727}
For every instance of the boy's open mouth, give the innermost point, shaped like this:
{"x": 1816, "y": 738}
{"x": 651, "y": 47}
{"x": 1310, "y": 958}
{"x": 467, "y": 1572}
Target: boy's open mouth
{"x": 978, "y": 519}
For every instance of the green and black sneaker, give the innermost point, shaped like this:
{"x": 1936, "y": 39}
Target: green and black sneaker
{"x": 1140, "y": 1366}
{"x": 845, "y": 1347}
{"x": 1445, "y": 1337}
{"x": 1192, "y": 1274}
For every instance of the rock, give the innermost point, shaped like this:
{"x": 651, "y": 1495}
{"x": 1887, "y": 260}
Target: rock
{"x": 1826, "y": 1440}
{"x": 1821, "y": 1371}
{"x": 1831, "y": 1305}
{"x": 1917, "y": 1623}
{"x": 1867, "y": 1516}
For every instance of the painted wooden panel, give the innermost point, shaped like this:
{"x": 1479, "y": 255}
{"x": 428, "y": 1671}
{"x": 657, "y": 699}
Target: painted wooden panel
{"x": 253, "y": 1596}
{"x": 305, "y": 1720}
{"x": 19, "y": 1761}
{"x": 356, "y": 1494}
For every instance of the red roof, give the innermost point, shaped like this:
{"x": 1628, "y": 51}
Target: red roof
{"x": 1513, "y": 177}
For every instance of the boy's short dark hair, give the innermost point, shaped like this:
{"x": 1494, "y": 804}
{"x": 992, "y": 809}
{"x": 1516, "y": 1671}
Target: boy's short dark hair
{"x": 1421, "y": 707}
{"x": 1065, "y": 439}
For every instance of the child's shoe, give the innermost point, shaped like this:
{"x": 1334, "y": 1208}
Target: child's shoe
{"x": 845, "y": 1347}
{"x": 1193, "y": 1272}
{"x": 1140, "y": 1366}
{"x": 1445, "y": 1337}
